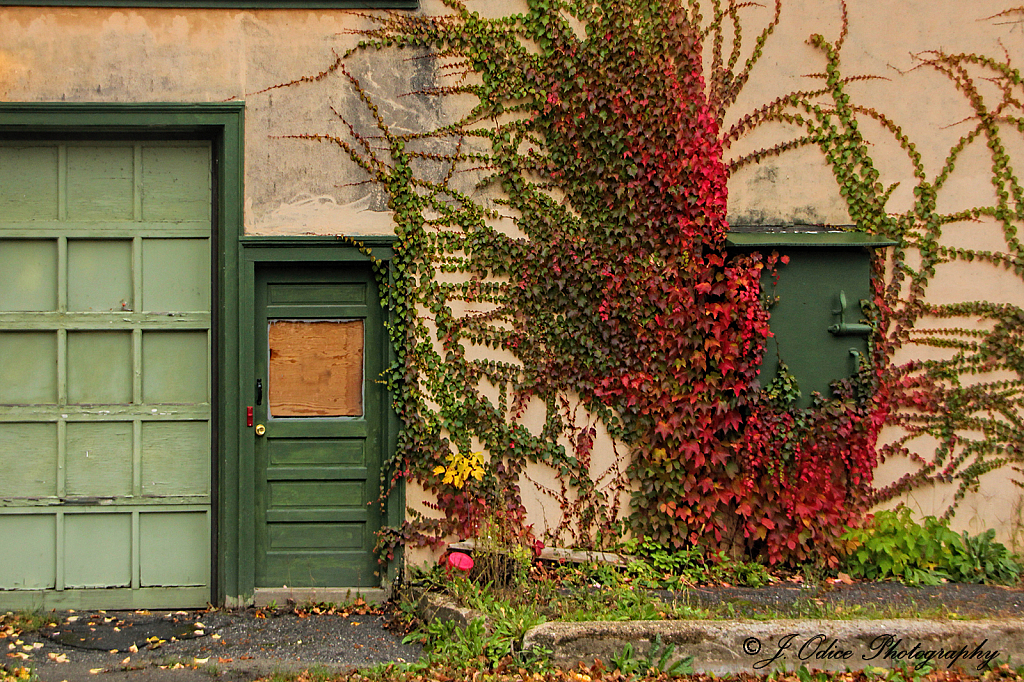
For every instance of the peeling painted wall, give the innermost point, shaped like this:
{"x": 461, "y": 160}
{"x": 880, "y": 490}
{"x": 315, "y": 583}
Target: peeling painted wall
{"x": 210, "y": 55}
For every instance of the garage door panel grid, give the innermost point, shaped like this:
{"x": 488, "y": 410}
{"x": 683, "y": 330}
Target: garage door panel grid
{"x": 105, "y": 323}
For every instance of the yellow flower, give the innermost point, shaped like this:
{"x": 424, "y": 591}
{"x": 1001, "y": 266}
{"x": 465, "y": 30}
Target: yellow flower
{"x": 461, "y": 467}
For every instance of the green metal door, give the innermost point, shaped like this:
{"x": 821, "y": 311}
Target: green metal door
{"x": 105, "y": 374}
{"x": 319, "y": 342}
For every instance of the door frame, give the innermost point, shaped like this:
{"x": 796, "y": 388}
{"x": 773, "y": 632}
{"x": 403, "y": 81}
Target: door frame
{"x": 254, "y": 253}
{"x": 223, "y": 124}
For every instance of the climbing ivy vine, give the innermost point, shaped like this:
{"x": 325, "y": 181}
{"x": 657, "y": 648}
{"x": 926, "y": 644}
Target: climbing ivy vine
{"x": 970, "y": 402}
{"x": 589, "y": 263}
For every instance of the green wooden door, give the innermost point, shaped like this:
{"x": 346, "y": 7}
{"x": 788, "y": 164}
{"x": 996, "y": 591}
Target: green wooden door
{"x": 105, "y": 393}
{"x": 319, "y": 342}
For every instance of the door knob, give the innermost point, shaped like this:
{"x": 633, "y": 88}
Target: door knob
{"x": 260, "y": 429}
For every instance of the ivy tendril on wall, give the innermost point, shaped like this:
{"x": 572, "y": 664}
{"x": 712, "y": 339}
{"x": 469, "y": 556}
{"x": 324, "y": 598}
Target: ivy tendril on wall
{"x": 590, "y": 262}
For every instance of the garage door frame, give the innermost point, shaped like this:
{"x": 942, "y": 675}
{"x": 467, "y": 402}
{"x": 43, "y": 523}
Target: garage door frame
{"x": 222, "y": 124}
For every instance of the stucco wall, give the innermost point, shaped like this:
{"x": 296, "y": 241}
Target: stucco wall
{"x": 211, "y": 55}
{"x": 299, "y": 187}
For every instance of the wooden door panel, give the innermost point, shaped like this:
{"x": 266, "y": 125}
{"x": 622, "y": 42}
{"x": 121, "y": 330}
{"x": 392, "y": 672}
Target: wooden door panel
{"x": 105, "y": 410}
{"x": 99, "y": 275}
{"x": 319, "y": 351}
{"x": 28, "y": 275}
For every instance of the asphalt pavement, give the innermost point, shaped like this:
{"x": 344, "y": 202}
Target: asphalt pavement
{"x": 200, "y": 645}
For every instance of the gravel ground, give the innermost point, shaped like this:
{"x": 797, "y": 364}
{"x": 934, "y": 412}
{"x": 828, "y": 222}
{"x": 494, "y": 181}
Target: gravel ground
{"x": 188, "y": 646}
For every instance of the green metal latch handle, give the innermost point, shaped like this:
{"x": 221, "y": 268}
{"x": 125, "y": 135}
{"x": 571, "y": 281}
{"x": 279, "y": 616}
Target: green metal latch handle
{"x": 847, "y": 329}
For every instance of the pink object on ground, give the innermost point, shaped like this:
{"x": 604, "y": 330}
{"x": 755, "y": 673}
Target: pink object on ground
{"x": 461, "y": 561}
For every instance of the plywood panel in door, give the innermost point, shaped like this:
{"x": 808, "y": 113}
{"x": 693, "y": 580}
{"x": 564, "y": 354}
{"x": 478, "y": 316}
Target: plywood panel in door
{"x": 316, "y": 368}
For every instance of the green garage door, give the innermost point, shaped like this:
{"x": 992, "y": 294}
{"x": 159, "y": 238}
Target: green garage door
{"x": 105, "y": 456}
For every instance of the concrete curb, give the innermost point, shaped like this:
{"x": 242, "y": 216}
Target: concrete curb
{"x": 721, "y": 647}
{"x": 432, "y": 606}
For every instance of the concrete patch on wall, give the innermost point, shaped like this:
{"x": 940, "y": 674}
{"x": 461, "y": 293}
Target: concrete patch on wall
{"x": 323, "y": 215}
{"x": 786, "y": 191}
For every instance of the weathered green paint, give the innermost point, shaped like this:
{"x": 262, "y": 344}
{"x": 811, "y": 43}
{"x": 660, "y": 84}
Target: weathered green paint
{"x": 175, "y": 183}
{"x": 165, "y": 284}
{"x": 92, "y": 599}
{"x": 185, "y": 561}
{"x": 28, "y": 373}
{"x": 808, "y": 294}
{"x": 175, "y": 458}
{"x": 87, "y": 413}
{"x": 99, "y": 459}
{"x": 312, "y": 536}
{"x": 99, "y": 367}
{"x": 174, "y": 367}
{"x": 316, "y": 294}
{"x": 109, "y": 321}
{"x": 32, "y": 565}
{"x": 99, "y": 275}
{"x": 30, "y": 449}
{"x": 284, "y": 452}
{"x": 306, "y": 252}
{"x": 100, "y": 182}
{"x": 29, "y": 190}
{"x": 296, "y": 492}
{"x": 28, "y": 275}
{"x": 222, "y": 124}
{"x": 50, "y": 228}
{"x": 84, "y": 567}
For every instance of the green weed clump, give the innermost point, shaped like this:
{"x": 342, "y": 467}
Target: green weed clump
{"x": 895, "y": 547}
{"x": 656, "y": 566}
{"x": 659, "y": 660}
